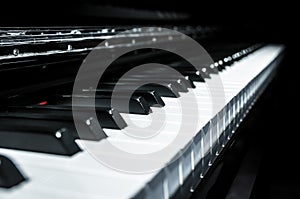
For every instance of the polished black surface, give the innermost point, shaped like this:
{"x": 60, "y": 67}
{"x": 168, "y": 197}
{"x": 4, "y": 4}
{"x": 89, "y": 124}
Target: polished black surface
{"x": 9, "y": 173}
{"x": 40, "y": 136}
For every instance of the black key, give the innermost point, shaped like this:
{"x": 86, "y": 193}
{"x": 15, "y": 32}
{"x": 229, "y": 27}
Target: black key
{"x": 156, "y": 76}
{"x": 191, "y": 82}
{"x": 56, "y": 118}
{"x": 107, "y": 117}
{"x": 137, "y": 104}
{"x": 180, "y": 87}
{"x": 162, "y": 73}
{"x": 151, "y": 96}
{"x": 204, "y": 75}
{"x": 220, "y": 66}
{"x": 180, "y": 82}
{"x": 38, "y": 136}
{"x": 186, "y": 69}
{"x": 195, "y": 76}
{"x": 191, "y": 72}
{"x": 166, "y": 90}
{"x": 9, "y": 173}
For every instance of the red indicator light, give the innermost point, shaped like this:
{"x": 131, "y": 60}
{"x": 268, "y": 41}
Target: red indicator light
{"x": 43, "y": 103}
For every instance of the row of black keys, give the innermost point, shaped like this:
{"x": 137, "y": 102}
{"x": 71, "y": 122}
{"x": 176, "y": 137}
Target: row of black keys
{"x": 45, "y": 124}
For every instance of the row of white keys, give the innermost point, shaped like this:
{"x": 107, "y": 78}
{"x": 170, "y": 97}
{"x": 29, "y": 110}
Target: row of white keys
{"x": 236, "y": 77}
{"x": 81, "y": 175}
{"x": 61, "y": 177}
{"x": 240, "y": 74}
{"x": 232, "y": 87}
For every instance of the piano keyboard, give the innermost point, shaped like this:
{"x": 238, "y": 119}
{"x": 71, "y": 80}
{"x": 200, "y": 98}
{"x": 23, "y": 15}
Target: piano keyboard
{"x": 67, "y": 166}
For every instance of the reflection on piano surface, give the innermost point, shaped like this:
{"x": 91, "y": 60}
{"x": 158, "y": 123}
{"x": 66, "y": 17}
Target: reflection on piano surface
{"x": 42, "y": 154}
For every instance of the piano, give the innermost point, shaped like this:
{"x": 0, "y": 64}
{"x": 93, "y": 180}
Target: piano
{"x": 157, "y": 132}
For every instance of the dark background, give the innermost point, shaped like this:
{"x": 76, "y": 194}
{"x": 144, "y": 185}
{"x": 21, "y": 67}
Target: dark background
{"x": 275, "y": 20}
{"x": 266, "y": 20}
